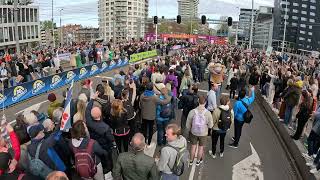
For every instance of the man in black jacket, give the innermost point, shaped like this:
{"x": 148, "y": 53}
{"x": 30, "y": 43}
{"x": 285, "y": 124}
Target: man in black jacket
{"x": 187, "y": 103}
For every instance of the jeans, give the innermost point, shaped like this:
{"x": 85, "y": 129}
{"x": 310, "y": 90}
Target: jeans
{"x": 147, "y": 128}
{"x": 312, "y": 143}
{"x": 288, "y": 114}
{"x": 165, "y": 176}
{"x": 301, "y": 123}
{"x": 161, "y": 138}
{"x": 122, "y": 140}
{"x": 232, "y": 94}
{"x": 237, "y": 131}
{"x": 215, "y": 136}
{"x": 218, "y": 92}
{"x": 317, "y": 161}
{"x": 183, "y": 122}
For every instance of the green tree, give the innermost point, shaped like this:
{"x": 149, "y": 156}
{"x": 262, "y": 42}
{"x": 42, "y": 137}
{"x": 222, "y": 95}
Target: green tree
{"x": 45, "y": 25}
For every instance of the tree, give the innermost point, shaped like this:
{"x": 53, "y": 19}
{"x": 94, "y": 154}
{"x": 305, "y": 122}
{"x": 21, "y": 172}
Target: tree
{"x": 46, "y": 25}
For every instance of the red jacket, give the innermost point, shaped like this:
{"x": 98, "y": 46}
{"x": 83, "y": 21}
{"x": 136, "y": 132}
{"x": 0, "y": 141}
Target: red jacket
{"x": 15, "y": 146}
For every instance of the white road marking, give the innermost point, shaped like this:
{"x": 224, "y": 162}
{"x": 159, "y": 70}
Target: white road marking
{"x": 193, "y": 167}
{"x": 249, "y": 168}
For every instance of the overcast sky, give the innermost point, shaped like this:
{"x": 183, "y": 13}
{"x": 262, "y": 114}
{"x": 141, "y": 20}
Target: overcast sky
{"x": 85, "y": 12}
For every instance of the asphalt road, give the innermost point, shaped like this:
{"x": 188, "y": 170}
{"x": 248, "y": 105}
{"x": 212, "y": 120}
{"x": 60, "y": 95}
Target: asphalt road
{"x": 265, "y": 159}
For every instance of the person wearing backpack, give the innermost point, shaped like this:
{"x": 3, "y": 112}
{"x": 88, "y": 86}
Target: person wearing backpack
{"x": 41, "y": 151}
{"x": 87, "y": 153}
{"x": 222, "y": 119}
{"x": 240, "y": 107}
{"x": 199, "y": 120}
{"x": 169, "y": 165}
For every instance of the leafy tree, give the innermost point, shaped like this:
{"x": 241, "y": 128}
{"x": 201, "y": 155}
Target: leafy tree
{"x": 45, "y": 25}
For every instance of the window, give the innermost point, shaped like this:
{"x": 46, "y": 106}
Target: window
{"x": 302, "y": 25}
{"x": 303, "y": 19}
{"x": 310, "y": 33}
{"x": 310, "y": 27}
{"x": 295, "y": 10}
{"x": 294, "y": 17}
{"x": 313, "y": 1}
{"x": 302, "y": 32}
{"x": 312, "y": 7}
{"x": 303, "y": 12}
{"x": 294, "y": 24}
{"x": 309, "y": 40}
{"x": 312, "y": 14}
{"x": 311, "y": 20}
{"x": 304, "y": 5}
{"x": 295, "y": 4}
{"x": 301, "y": 38}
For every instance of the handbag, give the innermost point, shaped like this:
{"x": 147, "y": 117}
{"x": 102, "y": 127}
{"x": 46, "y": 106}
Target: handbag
{"x": 247, "y": 116}
{"x": 121, "y": 132}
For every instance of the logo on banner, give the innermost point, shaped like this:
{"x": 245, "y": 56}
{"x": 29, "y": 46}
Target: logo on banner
{"x": 94, "y": 69}
{"x": 104, "y": 66}
{"x": 83, "y": 72}
{"x": 119, "y": 62}
{"x": 2, "y": 98}
{"x": 18, "y": 92}
{"x": 126, "y": 60}
{"x": 37, "y": 86}
{"x": 112, "y": 63}
{"x": 56, "y": 79}
{"x": 70, "y": 76}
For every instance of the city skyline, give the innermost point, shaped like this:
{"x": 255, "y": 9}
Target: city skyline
{"x": 85, "y": 12}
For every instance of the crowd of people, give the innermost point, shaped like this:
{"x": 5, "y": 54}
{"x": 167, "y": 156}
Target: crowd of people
{"x": 34, "y": 64}
{"x": 114, "y": 122}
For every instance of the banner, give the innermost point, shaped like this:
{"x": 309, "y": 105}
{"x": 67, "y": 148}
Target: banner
{"x": 65, "y": 56}
{"x": 65, "y": 121}
{"x": 143, "y": 55}
{"x": 27, "y": 90}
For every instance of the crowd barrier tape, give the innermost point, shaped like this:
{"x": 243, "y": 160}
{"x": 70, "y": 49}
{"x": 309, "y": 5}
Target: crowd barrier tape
{"x": 143, "y": 55}
{"x": 27, "y": 90}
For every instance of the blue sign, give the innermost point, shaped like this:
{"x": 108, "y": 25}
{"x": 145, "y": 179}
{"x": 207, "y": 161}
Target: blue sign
{"x": 27, "y": 90}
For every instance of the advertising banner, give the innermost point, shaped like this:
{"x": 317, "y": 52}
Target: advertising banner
{"x": 144, "y": 55}
{"x": 27, "y": 90}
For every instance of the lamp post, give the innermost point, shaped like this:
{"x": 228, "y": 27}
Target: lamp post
{"x": 61, "y": 32}
{"x": 285, "y": 27}
{"x": 251, "y": 27}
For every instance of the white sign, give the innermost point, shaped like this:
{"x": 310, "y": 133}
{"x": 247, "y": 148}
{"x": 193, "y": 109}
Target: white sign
{"x": 65, "y": 56}
{"x": 269, "y": 51}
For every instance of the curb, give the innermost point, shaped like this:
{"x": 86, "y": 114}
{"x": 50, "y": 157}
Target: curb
{"x": 292, "y": 151}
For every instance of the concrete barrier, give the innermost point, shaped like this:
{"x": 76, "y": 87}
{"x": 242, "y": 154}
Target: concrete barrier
{"x": 292, "y": 151}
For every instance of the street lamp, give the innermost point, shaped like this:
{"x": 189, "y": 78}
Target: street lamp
{"x": 285, "y": 27}
{"x": 61, "y": 32}
{"x": 251, "y": 28}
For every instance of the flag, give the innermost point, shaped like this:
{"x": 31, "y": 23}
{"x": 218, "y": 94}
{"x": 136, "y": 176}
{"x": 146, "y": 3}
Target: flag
{"x": 66, "y": 117}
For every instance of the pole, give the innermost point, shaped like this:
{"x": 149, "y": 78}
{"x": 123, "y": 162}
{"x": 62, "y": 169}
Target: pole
{"x": 114, "y": 30}
{"x": 61, "y": 32}
{"x": 54, "y": 44}
{"x": 16, "y": 34}
{"x": 157, "y": 22}
{"x": 236, "y": 41}
{"x": 285, "y": 27}
{"x": 251, "y": 28}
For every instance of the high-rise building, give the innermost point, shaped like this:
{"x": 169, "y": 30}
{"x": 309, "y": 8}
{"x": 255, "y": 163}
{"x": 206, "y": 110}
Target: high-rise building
{"x": 245, "y": 24}
{"x": 122, "y": 19}
{"x": 302, "y": 19}
{"x": 188, "y": 8}
{"x": 263, "y": 28}
{"x": 28, "y": 25}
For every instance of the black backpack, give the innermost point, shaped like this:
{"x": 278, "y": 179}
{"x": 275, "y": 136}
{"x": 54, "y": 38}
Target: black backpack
{"x": 224, "y": 121}
{"x": 247, "y": 116}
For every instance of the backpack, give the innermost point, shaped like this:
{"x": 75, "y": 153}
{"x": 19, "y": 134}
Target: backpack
{"x": 84, "y": 163}
{"x": 181, "y": 160}
{"x": 247, "y": 116}
{"x": 36, "y": 166}
{"x": 199, "y": 122}
{"x": 224, "y": 121}
{"x": 166, "y": 111}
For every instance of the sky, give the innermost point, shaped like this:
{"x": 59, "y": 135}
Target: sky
{"x": 85, "y": 12}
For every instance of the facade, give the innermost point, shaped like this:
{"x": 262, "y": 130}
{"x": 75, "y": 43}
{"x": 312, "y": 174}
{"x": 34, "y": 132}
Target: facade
{"x": 28, "y": 26}
{"x": 46, "y": 37}
{"x": 69, "y": 33}
{"x": 122, "y": 19}
{"x": 86, "y": 35}
{"x": 302, "y": 30}
{"x": 263, "y": 29}
{"x": 188, "y": 8}
{"x": 245, "y": 23}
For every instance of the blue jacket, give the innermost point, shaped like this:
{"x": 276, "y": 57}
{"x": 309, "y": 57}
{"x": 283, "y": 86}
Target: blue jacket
{"x": 239, "y": 109}
{"x": 159, "y": 108}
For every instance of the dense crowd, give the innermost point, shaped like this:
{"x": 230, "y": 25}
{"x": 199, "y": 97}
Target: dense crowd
{"x": 114, "y": 122}
{"x": 34, "y": 64}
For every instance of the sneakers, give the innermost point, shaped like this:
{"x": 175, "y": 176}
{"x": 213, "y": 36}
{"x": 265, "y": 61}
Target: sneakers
{"x": 221, "y": 155}
{"x": 232, "y": 145}
{"x": 212, "y": 155}
{"x": 199, "y": 162}
{"x": 306, "y": 156}
{"x": 190, "y": 163}
{"x": 232, "y": 138}
{"x": 310, "y": 164}
{"x": 314, "y": 170}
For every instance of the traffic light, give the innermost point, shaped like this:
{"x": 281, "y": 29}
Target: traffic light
{"x": 229, "y": 21}
{"x": 203, "y": 19}
{"x": 179, "y": 19}
{"x": 155, "y": 20}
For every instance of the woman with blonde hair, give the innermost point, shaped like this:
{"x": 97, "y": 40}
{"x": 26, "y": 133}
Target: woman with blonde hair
{"x": 119, "y": 124}
{"x": 108, "y": 90}
{"x": 186, "y": 82}
{"x": 81, "y": 109}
